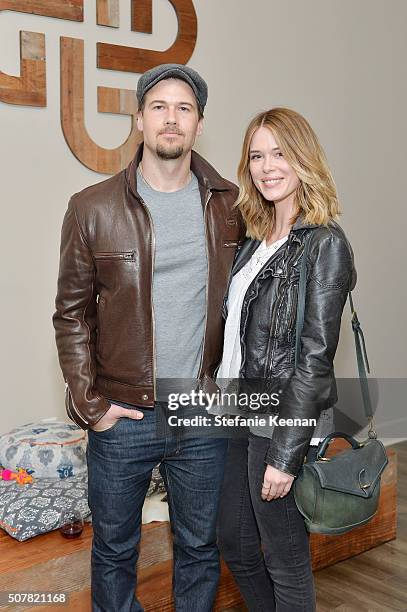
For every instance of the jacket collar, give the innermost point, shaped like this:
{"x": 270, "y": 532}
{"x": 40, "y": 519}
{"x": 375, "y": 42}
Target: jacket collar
{"x": 298, "y": 229}
{"x": 300, "y": 224}
{"x": 251, "y": 244}
{"x": 205, "y": 173}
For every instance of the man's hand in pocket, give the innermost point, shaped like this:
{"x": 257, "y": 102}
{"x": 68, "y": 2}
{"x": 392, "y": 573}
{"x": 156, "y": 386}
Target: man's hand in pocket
{"x": 114, "y": 413}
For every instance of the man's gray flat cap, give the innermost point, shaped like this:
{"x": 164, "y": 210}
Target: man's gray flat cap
{"x": 175, "y": 71}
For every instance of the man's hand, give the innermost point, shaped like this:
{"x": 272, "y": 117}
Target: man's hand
{"x": 275, "y": 483}
{"x": 114, "y": 413}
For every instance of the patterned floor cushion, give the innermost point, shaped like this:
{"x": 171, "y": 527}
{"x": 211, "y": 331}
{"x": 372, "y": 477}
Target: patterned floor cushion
{"x": 54, "y": 453}
{"x": 32, "y": 509}
{"x": 49, "y": 449}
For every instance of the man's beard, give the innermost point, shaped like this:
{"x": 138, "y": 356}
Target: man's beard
{"x": 169, "y": 152}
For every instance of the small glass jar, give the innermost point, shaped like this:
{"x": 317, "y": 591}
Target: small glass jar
{"x": 71, "y": 524}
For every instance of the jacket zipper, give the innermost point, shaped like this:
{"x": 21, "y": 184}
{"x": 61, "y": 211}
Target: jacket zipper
{"x": 293, "y": 310}
{"x": 208, "y": 197}
{"x": 114, "y": 255}
{"x": 274, "y": 323}
{"x": 73, "y": 405}
{"x": 151, "y": 294}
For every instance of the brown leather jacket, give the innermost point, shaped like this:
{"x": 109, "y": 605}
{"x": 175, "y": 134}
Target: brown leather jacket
{"x": 104, "y": 320}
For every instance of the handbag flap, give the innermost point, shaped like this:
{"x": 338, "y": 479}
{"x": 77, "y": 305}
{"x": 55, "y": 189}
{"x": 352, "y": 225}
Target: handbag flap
{"x": 356, "y": 471}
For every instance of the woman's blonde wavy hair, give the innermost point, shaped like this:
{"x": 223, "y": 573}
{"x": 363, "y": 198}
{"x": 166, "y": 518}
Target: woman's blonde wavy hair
{"x": 316, "y": 195}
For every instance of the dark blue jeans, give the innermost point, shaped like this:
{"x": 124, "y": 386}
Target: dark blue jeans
{"x": 120, "y": 462}
{"x": 265, "y": 544}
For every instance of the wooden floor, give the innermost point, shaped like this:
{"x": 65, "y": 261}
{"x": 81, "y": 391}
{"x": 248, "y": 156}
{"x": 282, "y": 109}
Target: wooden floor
{"x": 374, "y": 581}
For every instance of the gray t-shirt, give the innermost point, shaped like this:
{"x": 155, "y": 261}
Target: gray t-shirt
{"x": 180, "y": 277}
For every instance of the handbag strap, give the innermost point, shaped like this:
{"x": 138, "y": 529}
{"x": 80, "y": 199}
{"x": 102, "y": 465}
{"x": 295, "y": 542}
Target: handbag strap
{"x": 360, "y": 345}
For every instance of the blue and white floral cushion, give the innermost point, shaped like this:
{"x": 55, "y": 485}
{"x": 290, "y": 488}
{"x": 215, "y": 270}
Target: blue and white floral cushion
{"x": 47, "y": 449}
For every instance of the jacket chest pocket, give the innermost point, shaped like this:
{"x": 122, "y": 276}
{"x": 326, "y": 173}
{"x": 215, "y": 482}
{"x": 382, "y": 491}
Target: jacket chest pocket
{"x": 116, "y": 286}
{"x": 115, "y": 271}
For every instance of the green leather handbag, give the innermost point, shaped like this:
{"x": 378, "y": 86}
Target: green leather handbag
{"x": 336, "y": 494}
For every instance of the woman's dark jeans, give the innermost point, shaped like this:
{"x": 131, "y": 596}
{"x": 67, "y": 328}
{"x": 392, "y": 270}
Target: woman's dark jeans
{"x": 264, "y": 543}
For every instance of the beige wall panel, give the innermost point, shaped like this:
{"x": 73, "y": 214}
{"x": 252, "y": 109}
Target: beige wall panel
{"x": 110, "y": 100}
{"x": 108, "y": 13}
{"x": 133, "y": 59}
{"x": 62, "y": 9}
{"x": 142, "y": 16}
{"x": 28, "y": 89}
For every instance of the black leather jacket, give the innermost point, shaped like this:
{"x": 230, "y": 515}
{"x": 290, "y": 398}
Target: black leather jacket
{"x": 267, "y": 329}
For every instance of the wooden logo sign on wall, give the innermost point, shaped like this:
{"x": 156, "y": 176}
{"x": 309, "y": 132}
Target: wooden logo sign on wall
{"x": 30, "y": 87}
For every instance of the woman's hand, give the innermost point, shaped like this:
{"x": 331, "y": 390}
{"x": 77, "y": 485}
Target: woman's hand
{"x": 275, "y": 483}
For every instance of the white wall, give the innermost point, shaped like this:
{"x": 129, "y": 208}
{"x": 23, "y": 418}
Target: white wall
{"x": 338, "y": 62}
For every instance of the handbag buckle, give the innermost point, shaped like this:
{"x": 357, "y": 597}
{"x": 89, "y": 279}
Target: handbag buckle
{"x": 363, "y": 486}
